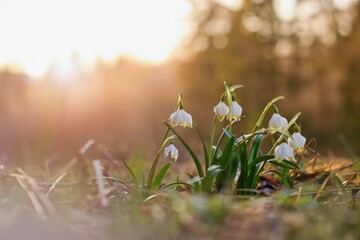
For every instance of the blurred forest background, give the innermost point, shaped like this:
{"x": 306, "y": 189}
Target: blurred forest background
{"x": 312, "y": 57}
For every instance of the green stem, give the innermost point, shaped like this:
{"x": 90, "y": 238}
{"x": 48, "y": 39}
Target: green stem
{"x": 213, "y": 127}
{"x": 266, "y": 109}
{"x": 229, "y": 101}
{"x": 156, "y": 160}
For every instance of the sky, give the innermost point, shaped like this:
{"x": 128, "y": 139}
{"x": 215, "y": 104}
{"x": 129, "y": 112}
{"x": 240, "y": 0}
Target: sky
{"x": 36, "y": 33}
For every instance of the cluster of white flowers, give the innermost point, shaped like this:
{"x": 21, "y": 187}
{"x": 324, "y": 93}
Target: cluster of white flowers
{"x": 221, "y": 111}
{"x": 285, "y": 150}
{"x": 295, "y": 144}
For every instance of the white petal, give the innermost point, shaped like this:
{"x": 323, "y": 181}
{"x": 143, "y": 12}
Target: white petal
{"x": 284, "y": 151}
{"x": 188, "y": 119}
{"x": 221, "y": 110}
{"x": 174, "y": 118}
{"x": 166, "y": 151}
{"x": 172, "y": 150}
{"x": 236, "y": 111}
{"x": 180, "y": 117}
{"x": 277, "y": 122}
{"x": 297, "y": 141}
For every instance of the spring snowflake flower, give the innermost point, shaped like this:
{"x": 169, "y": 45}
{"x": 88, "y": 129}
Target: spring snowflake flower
{"x": 297, "y": 142}
{"x": 284, "y": 151}
{"x": 221, "y": 110}
{"x": 236, "y": 111}
{"x": 180, "y": 117}
{"x": 277, "y": 122}
{"x": 174, "y": 153}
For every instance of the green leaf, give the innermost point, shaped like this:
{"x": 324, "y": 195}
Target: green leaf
{"x": 188, "y": 148}
{"x": 254, "y": 170}
{"x": 242, "y": 181}
{"x": 266, "y": 109}
{"x": 283, "y": 133}
{"x": 258, "y": 160}
{"x": 293, "y": 164}
{"x": 282, "y": 177}
{"x": 228, "y": 133}
{"x": 178, "y": 183}
{"x": 338, "y": 182}
{"x": 156, "y": 160}
{"x": 159, "y": 177}
{"x": 255, "y": 147}
{"x": 195, "y": 181}
{"x": 211, "y": 173}
{"x": 293, "y": 120}
{"x": 217, "y": 154}
{"x": 281, "y": 164}
{"x": 234, "y": 87}
{"x": 227, "y": 178}
{"x": 223, "y": 161}
{"x": 207, "y": 160}
{"x": 132, "y": 174}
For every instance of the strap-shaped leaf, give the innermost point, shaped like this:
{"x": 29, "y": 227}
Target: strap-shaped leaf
{"x": 266, "y": 109}
{"x": 207, "y": 159}
{"x": 159, "y": 177}
{"x": 224, "y": 159}
{"x": 255, "y": 147}
{"x": 188, "y": 148}
{"x": 284, "y": 164}
{"x": 258, "y": 160}
{"x": 282, "y": 177}
{"x": 208, "y": 180}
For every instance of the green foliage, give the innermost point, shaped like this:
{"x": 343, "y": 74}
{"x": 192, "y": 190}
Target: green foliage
{"x": 236, "y": 163}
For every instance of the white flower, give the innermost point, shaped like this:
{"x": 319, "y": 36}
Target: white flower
{"x": 297, "y": 142}
{"x": 174, "y": 153}
{"x": 221, "y": 110}
{"x": 284, "y": 151}
{"x": 278, "y": 122}
{"x": 180, "y": 117}
{"x": 236, "y": 111}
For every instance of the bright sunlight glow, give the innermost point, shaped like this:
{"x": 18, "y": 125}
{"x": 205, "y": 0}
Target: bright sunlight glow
{"x": 34, "y": 33}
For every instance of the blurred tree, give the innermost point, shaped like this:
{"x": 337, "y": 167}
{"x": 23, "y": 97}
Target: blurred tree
{"x": 288, "y": 48}
{"x": 350, "y": 50}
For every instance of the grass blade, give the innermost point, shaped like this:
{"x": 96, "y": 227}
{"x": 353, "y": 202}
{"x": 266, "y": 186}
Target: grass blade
{"x": 55, "y": 183}
{"x": 131, "y": 172}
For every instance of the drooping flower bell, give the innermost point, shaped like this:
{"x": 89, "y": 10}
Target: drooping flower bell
{"x": 297, "y": 142}
{"x": 277, "y": 122}
{"x": 221, "y": 110}
{"x": 235, "y": 110}
{"x": 284, "y": 151}
{"x": 174, "y": 153}
{"x": 180, "y": 116}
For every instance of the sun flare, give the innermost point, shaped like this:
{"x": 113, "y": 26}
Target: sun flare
{"x": 35, "y": 33}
